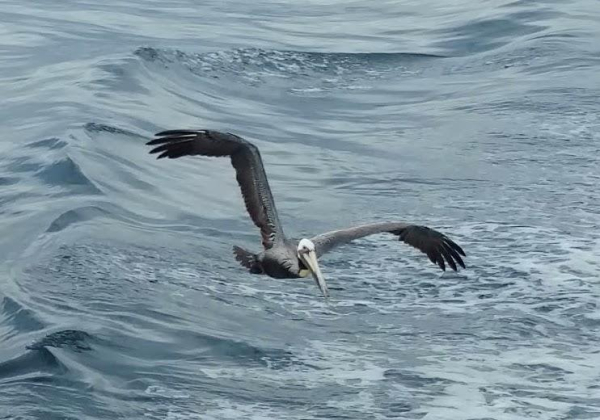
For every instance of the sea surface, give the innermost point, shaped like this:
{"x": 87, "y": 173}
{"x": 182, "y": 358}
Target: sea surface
{"x": 119, "y": 294}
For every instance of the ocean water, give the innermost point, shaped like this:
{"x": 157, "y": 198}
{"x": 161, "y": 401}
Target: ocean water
{"x": 119, "y": 294}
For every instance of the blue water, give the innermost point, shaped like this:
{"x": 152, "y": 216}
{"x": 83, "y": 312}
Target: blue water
{"x": 119, "y": 294}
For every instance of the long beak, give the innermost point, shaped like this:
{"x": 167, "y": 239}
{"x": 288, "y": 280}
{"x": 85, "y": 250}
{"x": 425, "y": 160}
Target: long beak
{"x": 310, "y": 259}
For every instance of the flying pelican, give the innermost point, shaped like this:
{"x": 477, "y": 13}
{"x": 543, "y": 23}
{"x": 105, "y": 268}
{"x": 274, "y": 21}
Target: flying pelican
{"x": 282, "y": 257}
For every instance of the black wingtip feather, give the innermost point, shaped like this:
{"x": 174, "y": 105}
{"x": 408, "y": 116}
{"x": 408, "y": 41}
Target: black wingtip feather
{"x": 458, "y": 248}
{"x": 449, "y": 259}
{"x": 155, "y": 141}
{"x": 178, "y": 133}
{"x": 453, "y": 254}
{"x": 158, "y": 149}
{"x": 169, "y": 136}
{"x": 445, "y": 252}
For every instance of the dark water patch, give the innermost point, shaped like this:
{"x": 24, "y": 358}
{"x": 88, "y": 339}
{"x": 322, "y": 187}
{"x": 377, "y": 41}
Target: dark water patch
{"x": 413, "y": 380}
{"x": 209, "y": 347}
{"x": 75, "y": 340}
{"x": 30, "y": 362}
{"x": 66, "y": 173}
{"x": 6, "y": 180}
{"x": 22, "y": 165}
{"x": 486, "y": 34}
{"x": 529, "y": 3}
{"x": 82, "y": 214}
{"x": 535, "y": 55}
{"x": 19, "y": 318}
{"x": 583, "y": 412}
{"x": 530, "y": 105}
{"x": 51, "y": 143}
{"x": 541, "y": 372}
{"x": 93, "y": 127}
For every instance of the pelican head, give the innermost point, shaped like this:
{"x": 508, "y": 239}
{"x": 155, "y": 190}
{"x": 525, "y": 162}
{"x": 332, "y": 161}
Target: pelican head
{"x": 308, "y": 257}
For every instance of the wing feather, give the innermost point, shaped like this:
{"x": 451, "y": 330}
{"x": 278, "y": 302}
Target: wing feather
{"x": 440, "y": 249}
{"x": 245, "y": 158}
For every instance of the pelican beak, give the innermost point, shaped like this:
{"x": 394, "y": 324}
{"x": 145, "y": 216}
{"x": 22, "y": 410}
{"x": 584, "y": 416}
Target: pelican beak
{"x": 310, "y": 260}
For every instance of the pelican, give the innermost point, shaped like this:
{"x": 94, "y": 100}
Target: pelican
{"x": 283, "y": 257}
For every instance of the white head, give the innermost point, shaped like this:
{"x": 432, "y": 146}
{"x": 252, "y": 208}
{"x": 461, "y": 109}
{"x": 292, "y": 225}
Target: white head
{"x": 305, "y": 246}
{"x": 308, "y": 256}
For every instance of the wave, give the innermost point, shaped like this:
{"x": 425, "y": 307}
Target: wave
{"x": 66, "y": 172}
{"x": 484, "y": 35}
{"x": 74, "y": 339}
{"x": 18, "y": 318}
{"x": 255, "y": 66}
{"x": 70, "y": 217}
{"x": 93, "y": 127}
{"x": 39, "y": 363}
{"x": 294, "y": 62}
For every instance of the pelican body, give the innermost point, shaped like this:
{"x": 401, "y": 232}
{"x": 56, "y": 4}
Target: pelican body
{"x": 282, "y": 257}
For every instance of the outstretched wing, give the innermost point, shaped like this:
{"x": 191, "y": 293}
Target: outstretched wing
{"x": 248, "y": 165}
{"x": 439, "y": 248}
